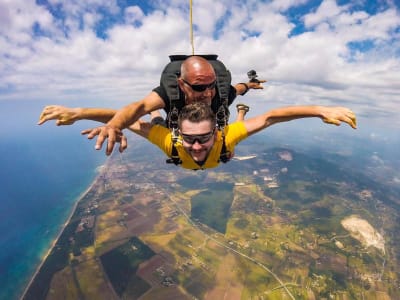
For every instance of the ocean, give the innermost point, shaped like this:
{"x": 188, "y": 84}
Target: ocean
{"x": 44, "y": 169}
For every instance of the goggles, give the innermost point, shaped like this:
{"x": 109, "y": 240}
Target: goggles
{"x": 200, "y": 87}
{"x": 200, "y": 138}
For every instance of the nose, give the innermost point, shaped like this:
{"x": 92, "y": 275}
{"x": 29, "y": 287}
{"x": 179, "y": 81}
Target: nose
{"x": 208, "y": 92}
{"x": 196, "y": 145}
{"x": 206, "y": 96}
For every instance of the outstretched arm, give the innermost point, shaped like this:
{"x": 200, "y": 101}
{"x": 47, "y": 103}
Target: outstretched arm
{"x": 123, "y": 119}
{"x": 67, "y": 116}
{"x": 329, "y": 115}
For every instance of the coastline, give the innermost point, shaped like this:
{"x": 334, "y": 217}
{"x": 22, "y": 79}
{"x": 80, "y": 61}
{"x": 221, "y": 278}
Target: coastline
{"x": 80, "y": 197}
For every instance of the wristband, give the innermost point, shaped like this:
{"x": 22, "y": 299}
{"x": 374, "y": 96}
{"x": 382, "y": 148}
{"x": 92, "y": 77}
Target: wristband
{"x": 246, "y": 90}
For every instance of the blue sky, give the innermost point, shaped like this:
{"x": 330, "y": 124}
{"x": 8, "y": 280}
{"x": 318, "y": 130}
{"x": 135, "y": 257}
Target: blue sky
{"x": 325, "y": 52}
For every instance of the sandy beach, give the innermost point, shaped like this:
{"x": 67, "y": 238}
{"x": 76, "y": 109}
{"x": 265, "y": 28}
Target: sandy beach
{"x": 83, "y": 194}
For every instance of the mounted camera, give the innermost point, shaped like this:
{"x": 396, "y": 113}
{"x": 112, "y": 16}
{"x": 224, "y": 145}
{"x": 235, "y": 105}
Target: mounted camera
{"x": 252, "y": 74}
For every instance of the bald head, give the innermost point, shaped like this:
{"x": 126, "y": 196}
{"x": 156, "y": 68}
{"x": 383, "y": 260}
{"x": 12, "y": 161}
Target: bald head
{"x": 195, "y": 67}
{"x": 197, "y": 80}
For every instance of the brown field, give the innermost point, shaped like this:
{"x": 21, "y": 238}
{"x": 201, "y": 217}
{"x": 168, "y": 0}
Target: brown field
{"x": 166, "y": 293}
{"x": 148, "y": 270}
{"x": 131, "y": 213}
{"x": 63, "y": 286}
{"x": 228, "y": 286}
{"x": 92, "y": 281}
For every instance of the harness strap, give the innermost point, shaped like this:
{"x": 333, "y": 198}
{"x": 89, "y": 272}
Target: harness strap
{"x": 173, "y": 122}
{"x": 174, "y": 159}
{"x": 225, "y": 155}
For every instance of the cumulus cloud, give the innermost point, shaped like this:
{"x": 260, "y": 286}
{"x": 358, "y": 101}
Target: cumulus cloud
{"x": 99, "y": 49}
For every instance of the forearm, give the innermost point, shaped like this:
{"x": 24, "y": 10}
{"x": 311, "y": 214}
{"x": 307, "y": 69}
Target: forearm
{"x": 329, "y": 115}
{"x": 285, "y": 114}
{"x": 102, "y": 115}
{"x": 141, "y": 128}
{"x": 67, "y": 116}
{"x": 132, "y": 112}
{"x": 126, "y": 116}
{"x": 241, "y": 88}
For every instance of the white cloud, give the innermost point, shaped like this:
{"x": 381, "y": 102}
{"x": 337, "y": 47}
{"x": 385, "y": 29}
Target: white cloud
{"x": 69, "y": 60}
{"x": 133, "y": 14}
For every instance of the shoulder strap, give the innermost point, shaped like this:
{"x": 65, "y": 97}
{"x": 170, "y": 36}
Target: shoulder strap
{"x": 169, "y": 82}
{"x": 224, "y": 80}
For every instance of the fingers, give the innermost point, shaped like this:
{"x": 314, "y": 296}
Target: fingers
{"x": 341, "y": 114}
{"x": 257, "y": 85}
{"x": 100, "y": 132}
{"x": 353, "y": 119}
{"x": 91, "y": 133}
{"x": 332, "y": 121}
{"x": 87, "y": 131}
{"x": 349, "y": 117}
{"x": 123, "y": 144}
{"x": 100, "y": 139}
{"x": 63, "y": 115}
{"x": 112, "y": 137}
{"x": 104, "y": 133}
{"x": 45, "y": 115}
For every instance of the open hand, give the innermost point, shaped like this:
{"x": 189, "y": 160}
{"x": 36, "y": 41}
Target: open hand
{"x": 337, "y": 115}
{"x": 114, "y": 135}
{"x": 256, "y": 84}
{"x": 63, "y": 115}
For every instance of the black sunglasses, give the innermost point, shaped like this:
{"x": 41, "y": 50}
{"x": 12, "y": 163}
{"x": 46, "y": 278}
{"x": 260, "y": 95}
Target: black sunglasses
{"x": 200, "y": 87}
{"x": 200, "y": 138}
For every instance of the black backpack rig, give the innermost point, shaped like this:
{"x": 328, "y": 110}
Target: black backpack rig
{"x": 169, "y": 81}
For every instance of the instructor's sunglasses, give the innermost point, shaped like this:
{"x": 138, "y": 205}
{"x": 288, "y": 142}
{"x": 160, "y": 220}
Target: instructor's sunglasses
{"x": 200, "y": 138}
{"x": 200, "y": 87}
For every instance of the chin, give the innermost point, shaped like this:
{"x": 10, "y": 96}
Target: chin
{"x": 198, "y": 157}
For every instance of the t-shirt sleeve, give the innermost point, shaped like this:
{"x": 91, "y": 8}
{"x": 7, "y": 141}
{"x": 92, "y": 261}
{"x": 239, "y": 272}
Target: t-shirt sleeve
{"x": 232, "y": 95}
{"x": 234, "y": 133}
{"x": 163, "y": 94}
{"x": 161, "y": 137}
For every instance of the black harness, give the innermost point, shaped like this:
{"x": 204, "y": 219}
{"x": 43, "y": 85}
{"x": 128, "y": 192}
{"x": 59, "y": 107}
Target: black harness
{"x": 169, "y": 81}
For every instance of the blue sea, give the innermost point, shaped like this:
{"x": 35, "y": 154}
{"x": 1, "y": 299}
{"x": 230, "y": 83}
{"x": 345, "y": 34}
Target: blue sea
{"x": 44, "y": 169}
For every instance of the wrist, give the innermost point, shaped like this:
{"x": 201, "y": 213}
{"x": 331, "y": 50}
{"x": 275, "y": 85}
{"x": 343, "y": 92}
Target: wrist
{"x": 246, "y": 88}
{"x": 78, "y": 113}
{"x": 117, "y": 126}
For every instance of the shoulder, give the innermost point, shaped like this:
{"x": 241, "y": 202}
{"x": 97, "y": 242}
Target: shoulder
{"x": 161, "y": 92}
{"x": 235, "y": 132}
{"x": 160, "y": 135}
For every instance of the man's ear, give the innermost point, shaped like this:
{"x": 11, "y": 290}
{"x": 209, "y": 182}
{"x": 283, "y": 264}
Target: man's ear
{"x": 180, "y": 83}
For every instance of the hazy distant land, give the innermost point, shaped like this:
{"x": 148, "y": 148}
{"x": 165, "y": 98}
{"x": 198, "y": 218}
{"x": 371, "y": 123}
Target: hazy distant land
{"x": 276, "y": 225}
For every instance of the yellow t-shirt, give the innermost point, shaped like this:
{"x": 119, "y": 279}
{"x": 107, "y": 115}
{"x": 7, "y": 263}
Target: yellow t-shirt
{"x": 234, "y": 133}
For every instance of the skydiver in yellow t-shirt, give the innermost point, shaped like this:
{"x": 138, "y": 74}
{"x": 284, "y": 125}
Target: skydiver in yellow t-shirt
{"x": 199, "y": 142}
